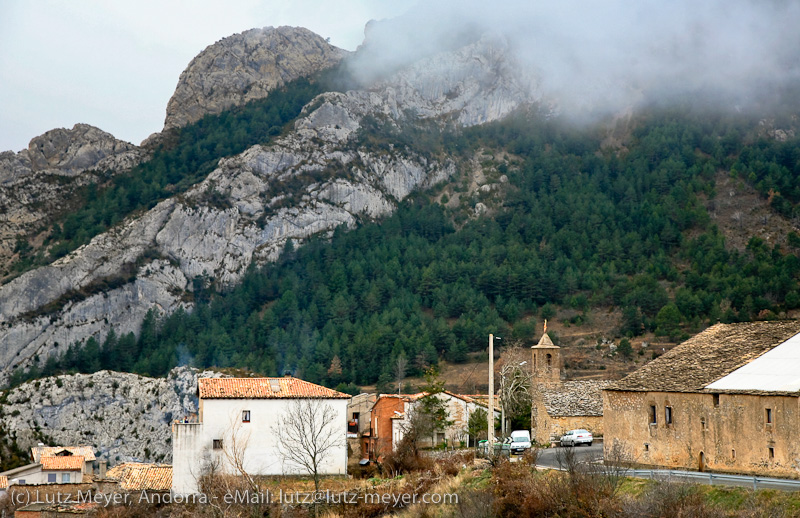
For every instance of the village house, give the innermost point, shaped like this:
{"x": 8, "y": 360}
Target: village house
{"x": 557, "y": 405}
{"x": 727, "y": 400}
{"x": 37, "y": 452}
{"x": 359, "y": 411}
{"x": 237, "y": 422}
{"x": 390, "y": 419}
{"x": 566, "y": 406}
{"x": 53, "y": 465}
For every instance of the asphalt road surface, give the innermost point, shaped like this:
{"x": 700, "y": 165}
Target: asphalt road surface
{"x": 558, "y": 457}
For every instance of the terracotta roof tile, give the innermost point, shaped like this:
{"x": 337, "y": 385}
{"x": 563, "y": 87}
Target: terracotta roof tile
{"x": 50, "y": 451}
{"x": 3, "y": 482}
{"x": 66, "y": 463}
{"x": 264, "y": 388}
{"x": 138, "y": 476}
{"x": 708, "y": 356}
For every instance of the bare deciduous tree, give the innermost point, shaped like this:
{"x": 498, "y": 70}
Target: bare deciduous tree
{"x": 308, "y": 433}
{"x": 400, "y": 366}
{"x": 515, "y": 382}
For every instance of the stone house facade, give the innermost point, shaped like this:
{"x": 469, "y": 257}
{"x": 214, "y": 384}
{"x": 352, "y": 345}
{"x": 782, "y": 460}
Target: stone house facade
{"x": 726, "y": 400}
{"x": 557, "y": 408}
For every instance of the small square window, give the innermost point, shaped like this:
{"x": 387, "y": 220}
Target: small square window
{"x": 733, "y": 454}
{"x": 716, "y": 399}
{"x": 216, "y": 444}
{"x": 51, "y": 477}
{"x": 646, "y": 447}
{"x": 245, "y": 416}
{"x": 769, "y": 416}
{"x": 65, "y": 477}
{"x": 668, "y": 415}
{"x": 771, "y": 452}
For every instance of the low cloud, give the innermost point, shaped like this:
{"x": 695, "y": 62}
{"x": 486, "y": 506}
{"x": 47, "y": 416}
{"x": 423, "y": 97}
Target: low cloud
{"x": 605, "y": 55}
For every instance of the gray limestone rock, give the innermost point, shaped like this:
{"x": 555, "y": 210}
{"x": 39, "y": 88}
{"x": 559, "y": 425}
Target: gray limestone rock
{"x": 38, "y": 183}
{"x": 244, "y": 67}
{"x": 124, "y": 417}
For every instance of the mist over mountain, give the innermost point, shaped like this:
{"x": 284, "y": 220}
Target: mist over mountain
{"x": 600, "y": 57}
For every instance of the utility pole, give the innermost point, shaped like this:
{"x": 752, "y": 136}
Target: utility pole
{"x": 490, "y": 436}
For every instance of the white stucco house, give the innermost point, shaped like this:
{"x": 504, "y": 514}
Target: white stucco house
{"x": 49, "y": 470}
{"x": 238, "y": 421}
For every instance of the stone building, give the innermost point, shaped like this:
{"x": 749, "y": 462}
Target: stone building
{"x": 727, "y": 400}
{"x": 557, "y": 405}
{"x": 565, "y": 406}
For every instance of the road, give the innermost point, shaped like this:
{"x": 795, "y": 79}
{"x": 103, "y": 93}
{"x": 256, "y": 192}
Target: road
{"x": 558, "y": 457}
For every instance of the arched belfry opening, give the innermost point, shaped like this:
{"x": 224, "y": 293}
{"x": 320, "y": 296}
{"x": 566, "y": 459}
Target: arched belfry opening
{"x": 546, "y": 360}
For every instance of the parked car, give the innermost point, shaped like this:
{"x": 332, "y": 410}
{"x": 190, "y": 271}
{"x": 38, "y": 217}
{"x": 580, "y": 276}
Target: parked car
{"x": 576, "y": 438}
{"x": 520, "y": 441}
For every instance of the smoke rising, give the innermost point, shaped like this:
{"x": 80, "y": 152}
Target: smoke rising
{"x": 606, "y": 55}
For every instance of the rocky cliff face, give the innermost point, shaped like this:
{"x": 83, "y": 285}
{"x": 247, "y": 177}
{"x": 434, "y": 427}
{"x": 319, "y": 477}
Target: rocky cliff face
{"x": 244, "y": 67}
{"x": 124, "y": 416}
{"x": 38, "y": 183}
{"x": 245, "y": 210}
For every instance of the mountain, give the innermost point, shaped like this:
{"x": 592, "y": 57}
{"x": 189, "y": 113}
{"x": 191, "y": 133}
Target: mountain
{"x": 313, "y": 179}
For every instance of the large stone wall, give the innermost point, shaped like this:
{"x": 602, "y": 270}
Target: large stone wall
{"x": 724, "y": 432}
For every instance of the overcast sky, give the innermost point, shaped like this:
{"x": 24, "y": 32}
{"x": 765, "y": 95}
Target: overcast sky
{"x": 115, "y": 64}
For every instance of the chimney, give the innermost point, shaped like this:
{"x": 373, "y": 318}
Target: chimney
{"x": 103, "y": 465}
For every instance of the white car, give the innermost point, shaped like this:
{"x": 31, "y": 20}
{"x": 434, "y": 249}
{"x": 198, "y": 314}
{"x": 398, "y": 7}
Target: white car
{"x": 520, "y": 441}
{"x": 576, "y": 438}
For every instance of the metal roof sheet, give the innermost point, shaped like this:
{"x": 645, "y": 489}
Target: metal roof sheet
{"x": 777, "y": 370}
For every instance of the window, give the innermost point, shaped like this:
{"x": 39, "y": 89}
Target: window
{"x": 703, "y": 423}
{"x": 771, "y": 452}
{"x": 355, "y": 416}
{"x": 245, "y": 416}
{"x": 716, "y": 399}
{"x": 65, "y": 477}
{"x": 653, "y": 414}
{"x": 216, "y": 444}
{"x": 668, "y": 415}
{"x": 647, "y": 446}
{"x": 769, "y": 416}
{"x": 733, "y": 454}
{"x": 21, "y": 482}
{"x": 51, "y": 477}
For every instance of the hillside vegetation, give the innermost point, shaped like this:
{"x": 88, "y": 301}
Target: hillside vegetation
{"x": 568, "y": 223}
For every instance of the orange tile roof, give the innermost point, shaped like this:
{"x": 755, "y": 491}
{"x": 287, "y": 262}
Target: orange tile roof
{"x": 138, "y": 476}
{"x": 67, "y": 463}
{"x": 3, "y": 482}
{"x": 261, "y": 388}
{"x": 49, "y": 451}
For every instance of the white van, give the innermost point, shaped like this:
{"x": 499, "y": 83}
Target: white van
{"x": 520, "y": 441}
